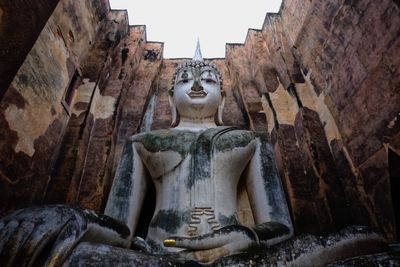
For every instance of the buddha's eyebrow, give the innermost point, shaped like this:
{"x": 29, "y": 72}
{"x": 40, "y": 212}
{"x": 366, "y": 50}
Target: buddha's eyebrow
{"x": 209, "y": 71}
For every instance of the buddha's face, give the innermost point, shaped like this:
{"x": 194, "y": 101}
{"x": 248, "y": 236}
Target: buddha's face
{"x": 197, "y": 92}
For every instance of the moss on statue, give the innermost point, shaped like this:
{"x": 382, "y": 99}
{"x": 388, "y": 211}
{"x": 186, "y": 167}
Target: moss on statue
{"x": 181, "y": 141}
{"x": 234, "y": 139}
{"x": 167, "y": 140}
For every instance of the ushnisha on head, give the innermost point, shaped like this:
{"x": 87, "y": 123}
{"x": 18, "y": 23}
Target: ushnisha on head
{"x": 196, "y": 94}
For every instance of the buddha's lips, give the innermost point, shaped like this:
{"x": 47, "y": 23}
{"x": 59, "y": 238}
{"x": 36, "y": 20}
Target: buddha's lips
{"x": 197, "y": 93}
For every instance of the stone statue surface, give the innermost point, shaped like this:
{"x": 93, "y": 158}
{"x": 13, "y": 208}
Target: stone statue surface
{"x": 196, "y": 168}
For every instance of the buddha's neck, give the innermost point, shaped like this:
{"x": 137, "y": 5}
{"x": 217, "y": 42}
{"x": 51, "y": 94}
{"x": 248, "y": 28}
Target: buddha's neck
{"x": 196, "y": 124}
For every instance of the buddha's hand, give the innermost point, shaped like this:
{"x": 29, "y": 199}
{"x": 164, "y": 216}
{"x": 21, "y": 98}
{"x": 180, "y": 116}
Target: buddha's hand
{"x": 47, "y": 235}
{"x": 140, "y": 244}
{"x": 226, "y": 241}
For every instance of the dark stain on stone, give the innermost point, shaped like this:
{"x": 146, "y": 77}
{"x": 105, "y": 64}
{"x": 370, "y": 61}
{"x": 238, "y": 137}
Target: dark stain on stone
{"x": 292, "y": 90}
{"x": 11, "y": 164}
{"x": 271, "y": 178}
{"x": 81, "y": 106}
{"x": 71, "y": 36}
{"x": 151, "y": 55}
{"x": 117, "y": 39}
{"x": 45, "y": 147}
{"x": 71, "y": 11}
{"x": 359, "y": 212}
{"x": 276, "y": 122}
{"x": 123, "y": 184}
{"x": 200, "y": 166}
{"x": 225, "y": 220}
{"x": 14, "y": 166}
{"x": 310, "y": 132}
{"x": 121, "y": 74}
{"x": 169, "y": 220}
{"x": 202, "y": 151}
{"x": 109, "y": 40}
{"x": 53, "y": 111}
{"x": 14, "y": 97}
{"x": 192, "y": 264}
{"x": 314, "y": 154}
{"x": 23, "y": 78}
{"x": 351, "y": 2}
{"x": 124, "y": 54}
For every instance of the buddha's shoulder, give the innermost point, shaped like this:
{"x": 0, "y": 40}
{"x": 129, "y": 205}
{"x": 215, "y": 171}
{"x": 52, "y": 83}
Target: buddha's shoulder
{"x": 164, "y": 134}
{"x": 240, "y": 133}
{"x": 161, "y": 140}
{"x": 235, "y": 138}
{"x": 178, "y": 139}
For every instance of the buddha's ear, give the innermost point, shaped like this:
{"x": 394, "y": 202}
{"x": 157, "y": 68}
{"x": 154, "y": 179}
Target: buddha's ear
{"x": 172, "y": 105}
{"x": 220, "y": 109}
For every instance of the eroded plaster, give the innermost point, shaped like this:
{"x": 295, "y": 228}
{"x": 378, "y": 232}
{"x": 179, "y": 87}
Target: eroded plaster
{"x": 104, "y": 106}
{"x": 83, "y": 95}
{"x": 284, "y": 105}
{"x": 309, "y": 99}
{"x": 36, "y": 85}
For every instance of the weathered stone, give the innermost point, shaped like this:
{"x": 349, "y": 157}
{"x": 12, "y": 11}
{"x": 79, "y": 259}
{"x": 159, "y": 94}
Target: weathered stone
{"x": 53, "y": 231}
{"x": 309, "y": 250}
{"x": 359, "y": 206}
{"x": 37, "y": 115}
{"x": 321, "y": 77}
{"x": 18, "y": 33}
{"x": 301, "y": 183}
{"x": 375, "y": 177}
{"x": 90, "y": 117}
{"x": 309, "y": 131}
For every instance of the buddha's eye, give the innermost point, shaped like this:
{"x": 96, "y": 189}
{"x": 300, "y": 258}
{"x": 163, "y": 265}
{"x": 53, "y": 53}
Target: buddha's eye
{"x": 185, "y": 77}
{"x": 208, "y": 80}
{"x": 185, "y": 80}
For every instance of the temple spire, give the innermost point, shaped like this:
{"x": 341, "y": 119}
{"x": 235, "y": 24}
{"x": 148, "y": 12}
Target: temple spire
{"x": 197, "y": 53}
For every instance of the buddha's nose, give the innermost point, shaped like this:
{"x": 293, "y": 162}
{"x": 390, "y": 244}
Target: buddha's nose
{"x": 197, "y": 86}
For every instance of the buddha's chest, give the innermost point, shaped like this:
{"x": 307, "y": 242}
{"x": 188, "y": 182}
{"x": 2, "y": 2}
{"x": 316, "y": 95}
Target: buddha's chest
{"x": 198, "y": 154}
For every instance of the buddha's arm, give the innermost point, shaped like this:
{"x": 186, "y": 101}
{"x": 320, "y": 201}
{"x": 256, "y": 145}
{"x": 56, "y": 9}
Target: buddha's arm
{"x": 128, "y": 189}
{"x": 266, "y": 196}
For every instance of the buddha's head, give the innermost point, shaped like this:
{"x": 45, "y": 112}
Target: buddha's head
{"x": 196, "y": 91}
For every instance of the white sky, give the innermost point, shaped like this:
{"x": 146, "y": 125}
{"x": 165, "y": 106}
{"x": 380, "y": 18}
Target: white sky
{"x": 178, "y": 23}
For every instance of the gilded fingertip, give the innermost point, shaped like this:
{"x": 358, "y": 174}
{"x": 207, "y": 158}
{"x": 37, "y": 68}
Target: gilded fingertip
{"x": 169, "y": 243}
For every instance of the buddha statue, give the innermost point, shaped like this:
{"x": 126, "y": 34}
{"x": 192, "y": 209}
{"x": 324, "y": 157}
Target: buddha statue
{"x": 196, "y": 168}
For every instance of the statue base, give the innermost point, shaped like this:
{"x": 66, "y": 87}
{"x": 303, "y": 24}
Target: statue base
{"x": 306, "y": 250}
